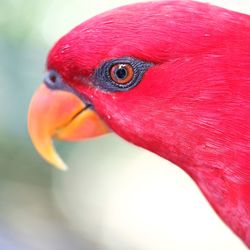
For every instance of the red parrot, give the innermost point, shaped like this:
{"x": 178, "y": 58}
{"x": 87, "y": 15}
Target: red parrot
{"x": 170, "y": 76}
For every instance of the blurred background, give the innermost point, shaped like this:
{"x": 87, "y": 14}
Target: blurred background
{"x": 115, "y": 196}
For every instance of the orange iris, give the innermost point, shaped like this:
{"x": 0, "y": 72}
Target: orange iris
{"x": 122, "y": 73}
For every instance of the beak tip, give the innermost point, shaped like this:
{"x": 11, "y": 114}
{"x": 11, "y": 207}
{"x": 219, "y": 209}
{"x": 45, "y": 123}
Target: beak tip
{"x": 62, "y": 167}
{"x": 57, "y": 162}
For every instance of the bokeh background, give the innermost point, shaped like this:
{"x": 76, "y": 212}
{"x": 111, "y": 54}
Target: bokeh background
{"x": 115, "y": 196}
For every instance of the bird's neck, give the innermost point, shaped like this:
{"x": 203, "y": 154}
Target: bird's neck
{"x": 200, "y": 121}
{"x": 228, "y": 196}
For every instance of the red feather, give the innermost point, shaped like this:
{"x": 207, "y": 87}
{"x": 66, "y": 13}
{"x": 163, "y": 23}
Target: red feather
{"x": 192, "y": 107}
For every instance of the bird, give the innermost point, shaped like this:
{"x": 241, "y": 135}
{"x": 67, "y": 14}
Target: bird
{"x": 170, "y": 76}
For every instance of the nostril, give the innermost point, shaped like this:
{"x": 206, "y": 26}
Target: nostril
{"x": 52, "y": 79}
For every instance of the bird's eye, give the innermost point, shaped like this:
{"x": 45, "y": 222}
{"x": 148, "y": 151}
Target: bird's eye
{"x": 120, "y": 74}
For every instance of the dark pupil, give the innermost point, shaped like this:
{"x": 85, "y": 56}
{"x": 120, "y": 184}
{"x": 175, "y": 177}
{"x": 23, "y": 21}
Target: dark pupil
{"x": 121, "y": 73}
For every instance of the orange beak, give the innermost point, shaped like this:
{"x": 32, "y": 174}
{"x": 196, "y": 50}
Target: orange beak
{"x": 61, "y": 115}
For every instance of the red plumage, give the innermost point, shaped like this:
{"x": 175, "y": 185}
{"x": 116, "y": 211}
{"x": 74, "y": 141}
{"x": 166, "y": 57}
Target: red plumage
{"x": 192, "y": 107}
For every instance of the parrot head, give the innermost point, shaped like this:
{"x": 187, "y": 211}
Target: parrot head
{"x": 130, "y": 70}
{"x": 169, "y": 76}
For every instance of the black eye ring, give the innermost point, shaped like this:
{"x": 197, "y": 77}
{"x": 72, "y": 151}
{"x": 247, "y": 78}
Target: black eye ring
{"x": 120, "y": 74}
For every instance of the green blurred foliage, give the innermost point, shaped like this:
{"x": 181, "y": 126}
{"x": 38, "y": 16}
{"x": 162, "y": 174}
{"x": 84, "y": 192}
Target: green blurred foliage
{"x": 22, "y": 63}
{"x": 29, "y": 219}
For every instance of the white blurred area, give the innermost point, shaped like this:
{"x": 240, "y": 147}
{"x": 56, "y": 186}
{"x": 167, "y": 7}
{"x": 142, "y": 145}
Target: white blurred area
{"x": 124, "y": 197}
